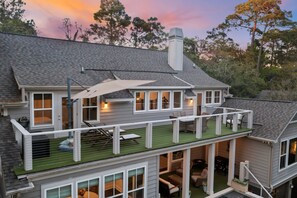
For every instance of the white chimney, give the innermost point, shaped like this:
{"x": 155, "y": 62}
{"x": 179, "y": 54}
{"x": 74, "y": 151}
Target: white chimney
{"x": 175, "y": 50}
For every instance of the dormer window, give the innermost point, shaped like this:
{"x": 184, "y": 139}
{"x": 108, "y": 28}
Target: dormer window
{"x": 42, "y": 111}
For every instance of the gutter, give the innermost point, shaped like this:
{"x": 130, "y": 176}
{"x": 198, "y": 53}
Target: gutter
{"x": 262, "y": 139}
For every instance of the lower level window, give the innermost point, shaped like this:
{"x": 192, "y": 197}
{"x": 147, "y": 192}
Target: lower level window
{"x": 292, "y": 154}
{"x": 60, "y": 192}
{"x": 113, "y": 185}
{"x": 136, "y": 183}
{"x": 88, "y": 189}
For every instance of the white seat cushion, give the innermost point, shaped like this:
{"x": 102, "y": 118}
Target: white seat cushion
{"x": 173, "y": 190}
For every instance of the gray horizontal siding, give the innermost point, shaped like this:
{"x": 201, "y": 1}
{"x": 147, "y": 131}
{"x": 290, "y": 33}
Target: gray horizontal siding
{"x": 16, "y": 113}
{"x": 258, "y": 154}
{"x": 283, "y": 175}
{"x": 151, "y": 177}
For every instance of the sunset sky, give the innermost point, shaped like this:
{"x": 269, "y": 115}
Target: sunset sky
{"x": 195, "y": 17}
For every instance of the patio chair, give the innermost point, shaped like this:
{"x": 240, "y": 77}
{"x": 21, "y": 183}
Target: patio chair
{"x": 229, "y": 121}
{"x": 199, "y": 178}
{"x": 107, "y": 137}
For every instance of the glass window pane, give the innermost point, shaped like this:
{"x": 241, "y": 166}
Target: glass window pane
{"x": 217, "y": 97}
{"x": 284, "y": 148}
{"x": 153, "y": 100}
{"x": 38, "y": 117}
{"x": 65, "y": 192}
{"x": 109, "y": 188}
{"x": 140, "y": 101}
{"x": 85, "y": 102}
{"x": 37, "y": 101}
{"x": 47, "y": 101}
{"x": 282, "y": 162}
{"x": 132, "y": 180}
{"x": 47, "y": 117}
{"x": 140, "y": 180}
{"x": 53, "y": 193}
{"x": 93, "y": 101}
{"x": 208, "y": 96}
{"x": 136, "y": 194}
{"x": 90, "y": 113}
{"x": 166, "y": 100}
{"x": 94, "y": 187}
{"x": 177, "y": 100}
{"x": 119, "y": 183}
{"x": 292, "y": 154}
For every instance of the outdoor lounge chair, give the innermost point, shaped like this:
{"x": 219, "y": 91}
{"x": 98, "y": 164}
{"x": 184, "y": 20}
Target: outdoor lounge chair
{"x": 229, "y": 121}
{"x": 106, "y": 137}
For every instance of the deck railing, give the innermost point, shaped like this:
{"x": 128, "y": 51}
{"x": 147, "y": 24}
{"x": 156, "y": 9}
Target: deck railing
{"x": 24, "y": 138}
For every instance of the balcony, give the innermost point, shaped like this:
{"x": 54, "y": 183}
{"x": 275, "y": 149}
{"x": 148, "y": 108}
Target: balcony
{"x": 156, "y": 136}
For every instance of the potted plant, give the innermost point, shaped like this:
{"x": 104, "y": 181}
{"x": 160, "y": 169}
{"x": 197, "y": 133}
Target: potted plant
{"x": 238, "y": 185}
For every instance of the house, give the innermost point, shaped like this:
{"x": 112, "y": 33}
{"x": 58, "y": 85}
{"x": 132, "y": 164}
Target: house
{"x": 33, "y": 102}
{"x": 271, "y": 147}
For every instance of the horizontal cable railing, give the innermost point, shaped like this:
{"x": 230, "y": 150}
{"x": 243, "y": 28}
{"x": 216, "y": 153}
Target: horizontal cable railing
{"x": 52, "y": 149}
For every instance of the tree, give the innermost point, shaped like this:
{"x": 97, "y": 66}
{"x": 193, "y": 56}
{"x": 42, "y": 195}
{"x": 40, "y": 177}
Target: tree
{"x": 68, "y": 28}
{"x": 149, "y": 34}
{"x": 258, "y": 17}
{"x": 11, "y": 18}
{"x": 112, "y": 22}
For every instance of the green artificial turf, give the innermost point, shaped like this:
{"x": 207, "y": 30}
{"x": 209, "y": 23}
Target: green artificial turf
{"x": 162, "y": 137}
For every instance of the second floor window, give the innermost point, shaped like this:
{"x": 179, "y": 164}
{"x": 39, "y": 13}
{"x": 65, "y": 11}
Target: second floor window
{"x": 177, "y": 100}
{"x": 217, "y": 97}
{"x": 208, "y": 97}
{"x": 153, "y": 95}
{"x": 166, "y": 100}
{"x": 42, "y": 109}
{"x": 140, "y": 101}
{"x": 89, "y": 109}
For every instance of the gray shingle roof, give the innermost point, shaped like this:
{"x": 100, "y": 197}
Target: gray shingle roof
{"x": 10, "y": 154}
{"x": 40, "y": 61}
{"x": 270, "y": 117}
{"x": 8, "y": 86}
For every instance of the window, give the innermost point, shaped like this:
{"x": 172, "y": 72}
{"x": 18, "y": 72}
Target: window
{"x": 177, "y": 100}
{"x": 89, "y": 109}
{"x": 140, "y": 101}
{"x": 60, "y": 192}
{"x": 217, "y": 96}
{"x": 136, "y": 183}
{"x": 88, "y": 189}
{"x": 208, "y": 97}
{"x": 153, "y": 95}
{"x": 292, "y": 149}
{"x": 113, "y": 185}
{"x": 165, "y": 100}
{"x": 283, "y": 154}
{"x": 42, "y": 109}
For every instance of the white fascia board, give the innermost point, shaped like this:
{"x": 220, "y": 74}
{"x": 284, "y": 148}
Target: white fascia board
{"x": 120, "y": 100}
{"x": 160, "y": 87}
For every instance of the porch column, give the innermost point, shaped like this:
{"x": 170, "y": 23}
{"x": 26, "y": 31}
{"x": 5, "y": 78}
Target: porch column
{"x": 148, "y": 135}
{"x": 175, "y": 131}
{"x": 76, "y": 146}
{"x": 186, "y": 173}
{"x": 231, "y": 171}
{"x": 116, "y": 140}
{"x": 211, "y": 161}
{"x": 224, "y": 115}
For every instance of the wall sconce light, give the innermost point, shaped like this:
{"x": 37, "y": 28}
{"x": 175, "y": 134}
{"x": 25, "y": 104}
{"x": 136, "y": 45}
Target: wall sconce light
{"x": 191, "y": 101}
{"x": 105, "y": 105}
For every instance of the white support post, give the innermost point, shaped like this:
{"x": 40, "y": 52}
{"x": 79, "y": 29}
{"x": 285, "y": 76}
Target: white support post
{"x": 76, "y": 146}
{"x": 218, "y": 125}
{"x": 199, "y": 128}
{"x": 231, "y": 171}
{"x": 148, "y": 135}
{"x": 28, "y": 157}
{"x": 211, "y": 161}
{"x": 224, "y": 115}
{"x": 186, "y": 173}
{"x": 235, "y": 123}
{"x": 116, "y": 140}
{"x": 175, "y": 131}
{"x": 241, "y": 171}
{"x": 247, "y": 164}
{"x": 250, "y": 120}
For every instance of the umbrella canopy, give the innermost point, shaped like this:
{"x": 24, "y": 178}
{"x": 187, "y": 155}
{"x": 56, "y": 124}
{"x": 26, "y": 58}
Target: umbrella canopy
{"x": 109, "y": 86}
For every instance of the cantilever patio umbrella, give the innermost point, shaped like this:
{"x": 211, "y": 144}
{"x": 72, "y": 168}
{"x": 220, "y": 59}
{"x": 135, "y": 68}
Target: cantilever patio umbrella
{"x": 109, "y": 86}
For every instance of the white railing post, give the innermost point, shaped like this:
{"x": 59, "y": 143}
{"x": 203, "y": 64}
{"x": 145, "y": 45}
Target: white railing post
{"x": 28, "y": 157}
{"x": 148, "y": 135}
{"x": 76, "y": 146}
{"x": 235, "y": 123}
{"x": 224, "y": 115}
{"x": 175, "y": 131}
{"x": 198, "y": 128}
{"x": 250, "y": 120}
{"x": 116, "y": 140}
{"x": 218, "y": 125}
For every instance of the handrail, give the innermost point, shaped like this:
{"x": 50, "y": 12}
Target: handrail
{"x": 262, "y": 187}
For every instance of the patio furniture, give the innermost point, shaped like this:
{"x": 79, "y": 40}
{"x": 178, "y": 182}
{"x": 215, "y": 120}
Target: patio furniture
{"x": 229, "y": 121}
{"x": 175, "y": 179}
{"x": 106, "y": 137}
{"x": 167, "y": 189}
{"x": 221, "y": 164}
{"x": 198, "y": 178}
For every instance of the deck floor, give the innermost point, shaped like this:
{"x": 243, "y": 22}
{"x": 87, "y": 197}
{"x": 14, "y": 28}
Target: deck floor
{"x": 162, "y": 137}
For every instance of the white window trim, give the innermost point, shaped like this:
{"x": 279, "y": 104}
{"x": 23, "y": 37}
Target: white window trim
{"x": 212, "y": 97}
{"x": 145, "y": 102}
{"x": 97, "y": 106}
{"x": 145, "y": 178}
{"x": 101, "y": 175}
{"x": 124, "y": 183}
{"x": 287, "y": 154}
{"x": 170, "y": 101}
{"x": 181, "y": 100}
{"x": 280, "y": 155}
{"x": 158, "y": 102}
{"x": 32, "y": 110}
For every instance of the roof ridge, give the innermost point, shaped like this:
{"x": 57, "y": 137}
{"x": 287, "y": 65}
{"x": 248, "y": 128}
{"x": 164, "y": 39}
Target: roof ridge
{"x": 264, "y": 100}
{"x": 79, "y": 42}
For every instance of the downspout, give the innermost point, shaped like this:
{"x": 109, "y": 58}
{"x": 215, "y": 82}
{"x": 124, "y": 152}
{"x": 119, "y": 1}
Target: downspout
{"x": 270, "y": 169}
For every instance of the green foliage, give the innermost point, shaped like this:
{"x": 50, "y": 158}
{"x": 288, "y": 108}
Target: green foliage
{"x": 112, "y": 22}
{"x": 11, "y": 18}
{"x": 148, "y": 34}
